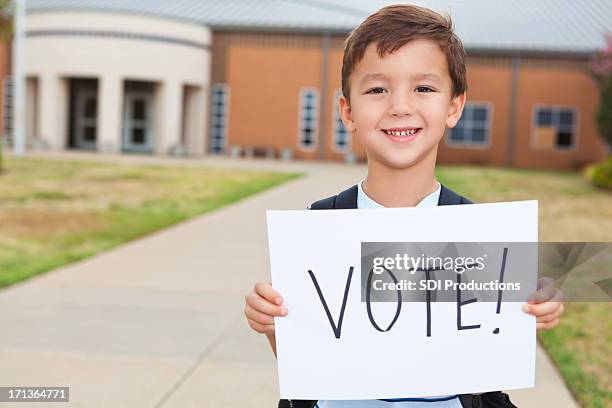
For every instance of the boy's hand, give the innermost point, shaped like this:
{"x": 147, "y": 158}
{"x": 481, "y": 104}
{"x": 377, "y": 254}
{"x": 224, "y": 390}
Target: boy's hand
{"x": 262, "y": 304}
{"x": 545, "y": 304}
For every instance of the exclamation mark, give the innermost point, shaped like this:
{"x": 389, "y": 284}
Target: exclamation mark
{"x": 499, "y": 291}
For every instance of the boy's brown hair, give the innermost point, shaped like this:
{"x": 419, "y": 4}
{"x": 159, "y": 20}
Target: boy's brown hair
{"x": 392, "y": 27}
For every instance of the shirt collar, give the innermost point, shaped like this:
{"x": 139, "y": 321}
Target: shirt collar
{"x": 363, "y": 201}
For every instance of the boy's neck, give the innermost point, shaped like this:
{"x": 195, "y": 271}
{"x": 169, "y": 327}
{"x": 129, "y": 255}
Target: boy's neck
{"x": 392, "y": 187}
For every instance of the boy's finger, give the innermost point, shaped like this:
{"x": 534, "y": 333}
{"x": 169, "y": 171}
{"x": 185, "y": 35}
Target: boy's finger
{"x": 258, "y": 317}
{"x": 264, "y": 289}
{"x": 545, "y": 290}
{"x": 552, "y": 316}
{"x": 548, "y": 292}
{"x": 264, "y": 306}
{"x": 260, "y": 328}
{"x": 548, "y": 326}
{"x": 540, "y": 309}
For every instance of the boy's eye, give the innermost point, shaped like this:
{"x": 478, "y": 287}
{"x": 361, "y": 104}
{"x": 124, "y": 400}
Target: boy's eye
{"x": 424, "y": 89}
{"x": 376, "y": 90}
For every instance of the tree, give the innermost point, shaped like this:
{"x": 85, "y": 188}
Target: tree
{"x": 601, "y": 68}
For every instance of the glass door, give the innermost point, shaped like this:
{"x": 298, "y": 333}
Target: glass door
{"x": 86, "y": 119}
{"x": 137, "y": 127}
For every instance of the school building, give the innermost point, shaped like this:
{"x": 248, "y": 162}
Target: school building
{"x": 262, "y": 78}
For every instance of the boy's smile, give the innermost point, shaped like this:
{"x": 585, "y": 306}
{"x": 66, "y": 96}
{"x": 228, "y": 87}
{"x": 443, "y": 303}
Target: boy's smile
{"x": 400, "y": 105}
{"x": 401, "y": 134}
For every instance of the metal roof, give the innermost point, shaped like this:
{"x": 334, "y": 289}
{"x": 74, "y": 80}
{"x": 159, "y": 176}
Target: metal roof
{"x": 564, "y": 26}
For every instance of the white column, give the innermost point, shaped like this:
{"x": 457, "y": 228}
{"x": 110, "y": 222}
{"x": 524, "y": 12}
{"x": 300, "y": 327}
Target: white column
{"x": 51, "y": 112}
{"x": 195, "y": 121}
{"x": 31, "y": 107}
{"x": 169, "y": 128}
{"x": 110, "y": 114}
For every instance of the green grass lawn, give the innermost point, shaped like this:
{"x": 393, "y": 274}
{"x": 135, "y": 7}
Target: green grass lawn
{"x": 55, "y": 212}
{"x": 571, "y": 209}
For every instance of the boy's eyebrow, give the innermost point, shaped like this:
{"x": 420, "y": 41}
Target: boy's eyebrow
{"x": 372, "y": 76}
{"x": 432, "y": 77}
{"x": 375, "y": 75}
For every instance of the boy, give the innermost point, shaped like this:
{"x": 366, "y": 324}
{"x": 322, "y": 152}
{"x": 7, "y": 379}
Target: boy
{"x": 403, "y": 83}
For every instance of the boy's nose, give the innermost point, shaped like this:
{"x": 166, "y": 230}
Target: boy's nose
{"x": 401, "y": 106}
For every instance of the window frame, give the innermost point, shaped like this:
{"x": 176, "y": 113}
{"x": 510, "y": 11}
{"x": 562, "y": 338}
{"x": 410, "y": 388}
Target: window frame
{"x": 315, "y": 118}
{"x": 558, "y": 108}
{"x": 225, "y": 118}
{"x": 486, "y": 144}
{"x": 8, "y": 107}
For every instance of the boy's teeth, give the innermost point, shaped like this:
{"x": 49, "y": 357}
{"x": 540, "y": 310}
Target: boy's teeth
{"x": 403, "y": 133}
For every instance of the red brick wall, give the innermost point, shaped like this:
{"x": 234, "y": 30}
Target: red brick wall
{"x": 557, "y": 84}
{"x": 266, "y": 71}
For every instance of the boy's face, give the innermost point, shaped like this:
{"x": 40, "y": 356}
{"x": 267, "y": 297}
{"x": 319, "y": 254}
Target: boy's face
{"x": 409, "y": 89}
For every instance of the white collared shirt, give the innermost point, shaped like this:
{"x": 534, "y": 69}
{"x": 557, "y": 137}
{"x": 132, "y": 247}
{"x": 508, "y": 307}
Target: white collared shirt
{"x": 363, "y": 201}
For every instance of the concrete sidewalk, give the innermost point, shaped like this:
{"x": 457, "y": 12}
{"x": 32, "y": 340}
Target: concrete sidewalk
{"x": 158, "y": 322}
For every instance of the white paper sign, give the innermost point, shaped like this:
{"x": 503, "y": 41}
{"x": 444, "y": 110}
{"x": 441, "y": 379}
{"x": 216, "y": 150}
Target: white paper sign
{"x": 364, "y": 363}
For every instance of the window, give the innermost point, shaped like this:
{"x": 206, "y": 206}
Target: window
{"x": 473, "y": 127}
{"x": 308, "y": 120}
{"x": 341, "y": 137}
{"x": 219, "y": 120}
{"x": 7, "y": 108}
{"x": 554, "y": 128}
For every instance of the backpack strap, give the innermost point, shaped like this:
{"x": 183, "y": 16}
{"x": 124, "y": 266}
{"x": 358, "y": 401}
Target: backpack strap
{"x": 449, "y": 197}
{"x": 297, "y": 403}
{"x": 494, "y": 399}
{"x": 324, "y": 204}
{"x": 345, "y": 200}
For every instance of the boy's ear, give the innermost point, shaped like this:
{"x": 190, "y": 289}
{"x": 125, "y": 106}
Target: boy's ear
{"x": 346, "y": 113}
{"x": 455, "y": 109}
